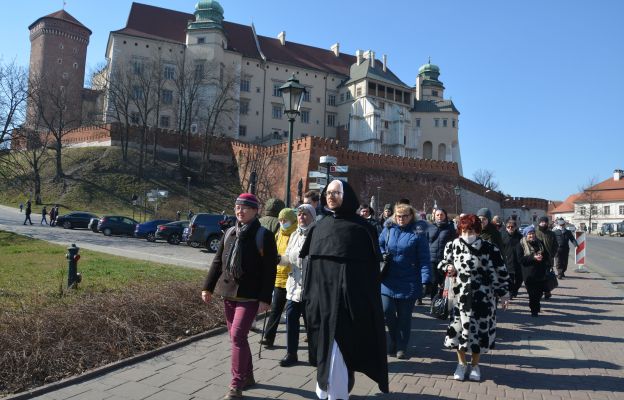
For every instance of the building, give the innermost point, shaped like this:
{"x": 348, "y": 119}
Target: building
{"x": 597, "y": 205}
{"x": 201, "y": 74}
{"x": 58, "y": 55}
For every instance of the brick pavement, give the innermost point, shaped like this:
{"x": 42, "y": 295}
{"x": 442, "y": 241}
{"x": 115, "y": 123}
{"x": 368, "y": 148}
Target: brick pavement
{"x": 574, "y": 350}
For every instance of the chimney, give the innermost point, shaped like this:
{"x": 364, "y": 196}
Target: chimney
{"x": 618, "y": 174}
{"x": 358, "y": 55}
{"x": 371, "y": 58}
{"x": 282, "y": 37}
{"x": 385, "y": 63}
{"x": 336, "y": 49}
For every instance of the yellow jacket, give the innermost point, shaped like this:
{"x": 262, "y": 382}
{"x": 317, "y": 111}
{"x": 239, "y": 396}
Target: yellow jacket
{"x": 281, "y": 239}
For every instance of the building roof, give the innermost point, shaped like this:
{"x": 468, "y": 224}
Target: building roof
{"x": 605, "y": 191}
{"x": 566, "y": 206}
{"x": 64, "y": 16}
{"x": 164, "y": 24}
{"x": 365, "y": 71}
{"x": 434, "y": 106}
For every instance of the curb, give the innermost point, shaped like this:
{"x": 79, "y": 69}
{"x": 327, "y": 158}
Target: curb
{"x": 94, "y": 373}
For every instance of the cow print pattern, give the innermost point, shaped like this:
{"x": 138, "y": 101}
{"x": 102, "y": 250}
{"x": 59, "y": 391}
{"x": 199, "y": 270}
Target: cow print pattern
{"x": 481, "y": 277}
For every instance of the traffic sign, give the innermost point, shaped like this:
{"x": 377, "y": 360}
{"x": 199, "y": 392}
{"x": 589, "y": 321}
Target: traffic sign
{"x": 342, "y": 178}
{"x": 315, "y": 186}
{"x": 339, "y": 168}
{"x": 322, "y": 169}
{"x": 317, "y": 174}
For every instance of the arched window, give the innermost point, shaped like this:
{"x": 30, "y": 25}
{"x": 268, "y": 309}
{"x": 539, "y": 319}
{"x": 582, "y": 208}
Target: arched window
{"x": 442, "y": 152}
{"x": 427, "y": 150}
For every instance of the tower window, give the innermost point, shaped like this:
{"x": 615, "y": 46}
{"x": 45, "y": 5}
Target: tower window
{"x": 61, "y": 46}
{"x": 201, "y": 40}
{"x": 445, "y": 122}
{"x": 242, "y": 130}
{"x": 434, "y": 93}
{"x": 60, "y": 61}
{"x": 75, "y": 65}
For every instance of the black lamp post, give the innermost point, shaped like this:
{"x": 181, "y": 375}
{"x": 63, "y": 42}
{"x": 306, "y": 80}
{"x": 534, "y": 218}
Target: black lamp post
{"x": 457, "y": 190}
{"x": 292, "y": 95}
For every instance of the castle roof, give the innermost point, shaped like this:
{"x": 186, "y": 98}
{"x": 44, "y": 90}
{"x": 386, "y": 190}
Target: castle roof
{"x": 164, "y": 24}
{"x": 64, "y": 16}
{"x": 434, "y": 106}
{"x": 365, "y": 70}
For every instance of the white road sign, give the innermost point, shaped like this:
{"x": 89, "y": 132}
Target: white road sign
{"x": 317, "y": 174}
{"x": 339, "y": 168}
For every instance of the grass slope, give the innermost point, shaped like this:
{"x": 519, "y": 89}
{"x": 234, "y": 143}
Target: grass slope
{"x": 99, "y": 181}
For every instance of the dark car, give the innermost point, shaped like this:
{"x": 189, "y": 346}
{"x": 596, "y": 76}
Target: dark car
{"x": 116, "y": 225}
{"x": 76, "y": 219}
{"x": 206, "y": 230}
{"x": 171, "y": 232}
{"x": 147, "y": 230}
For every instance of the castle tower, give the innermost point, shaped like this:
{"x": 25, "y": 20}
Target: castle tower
{"x": 58, "y": 53}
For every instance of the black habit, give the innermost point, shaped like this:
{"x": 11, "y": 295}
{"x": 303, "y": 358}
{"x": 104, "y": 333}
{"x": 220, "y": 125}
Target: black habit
{"x": 342, "y": 293}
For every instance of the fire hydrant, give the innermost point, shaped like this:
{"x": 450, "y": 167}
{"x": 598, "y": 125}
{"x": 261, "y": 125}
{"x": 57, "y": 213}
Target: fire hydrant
{"x": 73, "y": 276}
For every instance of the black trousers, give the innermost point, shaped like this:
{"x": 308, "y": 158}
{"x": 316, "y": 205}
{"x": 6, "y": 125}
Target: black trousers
{"x": 561, "y": 260}
{"x": 535, "y": 289}
{"x": 515, "y": 283}
{"x": 277, "y": 307}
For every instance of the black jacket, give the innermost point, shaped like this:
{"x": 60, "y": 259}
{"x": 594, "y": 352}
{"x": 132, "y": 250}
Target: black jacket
{"x": 509, "y": 250}
{"x": 563, "y": 237}
{"x": 259, "y": 272}
{"x": 439, "y": 235}
{"x": 492, "y": 235}
{"x": 533, "y": 270}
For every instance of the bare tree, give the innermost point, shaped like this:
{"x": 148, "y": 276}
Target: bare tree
{"x": 255, "y": 161}
{"x": 485, "y": 177}
{"x": 118, "y": 85}
{"x": 188, "y": 81}
{"x": 55, "y": 111}
{"x": 588, "y": 202}
{"x": 218, "y": 105}
{"x": 13, "y": 95}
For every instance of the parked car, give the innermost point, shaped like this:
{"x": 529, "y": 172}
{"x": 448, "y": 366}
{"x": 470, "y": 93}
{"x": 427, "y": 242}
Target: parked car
{"x": 93, "y": 224}
{"x": 147, "y": 230}
{"x": 612, "y": 229}
{"x": 171, "y": 232}
{"x": 76, "y": 219}
{"x": 206, "y": 230}
{"x": 116, "y": 225}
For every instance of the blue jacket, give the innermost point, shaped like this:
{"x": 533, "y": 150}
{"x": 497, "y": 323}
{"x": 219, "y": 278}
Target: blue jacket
{"x": 411, "y": 262}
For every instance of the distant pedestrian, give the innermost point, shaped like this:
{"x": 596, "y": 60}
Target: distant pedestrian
{"x": 387, "y": 213}
{"x": 306, "y": 214}
{"x": 21, "y": 207}
{"x": 489, "y": 231}
{"x": 497, "y": 222}
{"x": 368, "y": 214}
{"x": 28, "y": 212}
{"x": 479, "y": 278}
{"x": 342, "y": 297}
{"x": 190, "y": 215}
{"x": 44, "y": 216}
{"x": 269, "y": 220}
{"x": 564, "y": 237}
{"x": 312, "y": 198}
{"x": 535, "y": 264}
{"x": 511, "y": 239}
{"x": 243, "y": 275}
{"x": 52, "y": 215}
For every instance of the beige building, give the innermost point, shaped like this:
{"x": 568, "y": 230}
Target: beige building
{"x": 201, "y": 74}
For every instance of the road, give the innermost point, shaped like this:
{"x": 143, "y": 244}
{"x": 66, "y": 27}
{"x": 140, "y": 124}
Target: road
{"x": 605, "y": 255}
{"x": 11, "y": 220}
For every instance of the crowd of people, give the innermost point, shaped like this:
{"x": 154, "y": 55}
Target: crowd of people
{"x": 354, "y": 280}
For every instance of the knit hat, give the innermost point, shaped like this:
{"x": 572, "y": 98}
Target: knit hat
{"x": 485, "y": 212}
{"x": 388, "y": 207}
{"x": 528, "y": 230}
{"x": 308, "y": 209}
{"x": 247, "y": 199}
{"x": 543, "y": 219}
{"x": 273, "y": 206}
{"x": 288, "y": 214}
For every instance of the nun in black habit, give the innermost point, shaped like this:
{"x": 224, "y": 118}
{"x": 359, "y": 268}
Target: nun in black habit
{"x": 344, "y": 317}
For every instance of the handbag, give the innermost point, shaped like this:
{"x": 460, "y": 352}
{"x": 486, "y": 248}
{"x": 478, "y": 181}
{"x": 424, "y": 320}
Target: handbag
{"x": 440, "y": 303}
{"x": 551, "y": 281}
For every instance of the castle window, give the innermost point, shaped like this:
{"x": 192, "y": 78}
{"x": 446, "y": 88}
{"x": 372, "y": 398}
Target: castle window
{"x": 372, "y": 88}
{"x": 382, "y": 105}
{"x": 169, "y": 72}
{"x": 427, "y": 150}
{"x": 244, "y": 107}
{"x": 349, "y": 95}
{"x": 61, "y": 46}
{"x": 244, "y": 85}
{"x": 331, "y": 120}
{"x": 305, "y": 116}
{"x": 167, "y": 96}
{"x": 381, "y": 91}
{"x": 434, "y": 93}
{"x": 445, "y": 122}
{"x": 358, "y": 91}
{"x": 201, "y": 40}
{"x": 453, "y": 123}
{"x": 406, "y": 97}
{"x": 164, "y": 121}
{"x": 60, "y": 61}
{"x": 621, "y": 210}
{"x": 386, "y": 124}
{"x": 436, "y": 122}
{"x": 417, "y": 122}
{"x": 277, "y": 112}
{"x": 137, "y": 92}
{"x": 606, "y": 210}
{"x": 331, "y": 100}
{"x": 134, "y": 118}
{"x": 138, "y": 67}
{"x": 342, "y": 97}
{"x": 75, "y": 65}
{"x": 276, "y": 89}
{"x": 307, "y": 95}
{"x": 199, "y": 71}
{"x": 242, "y": 130}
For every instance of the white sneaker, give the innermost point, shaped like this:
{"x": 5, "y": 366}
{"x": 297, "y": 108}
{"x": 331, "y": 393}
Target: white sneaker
{"x": 475, "y": 374}
{"x": 460, "y": 372}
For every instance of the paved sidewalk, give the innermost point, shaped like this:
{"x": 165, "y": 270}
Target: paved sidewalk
{"x": 574, "y": 350}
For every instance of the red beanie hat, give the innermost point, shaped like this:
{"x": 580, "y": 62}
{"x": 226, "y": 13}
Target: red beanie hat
{"x": 247, "y": 199}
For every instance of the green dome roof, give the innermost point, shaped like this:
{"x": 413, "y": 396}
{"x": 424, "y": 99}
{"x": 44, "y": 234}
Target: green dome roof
{"x": 429, "y": 68}
{"x": 208, "y": 15}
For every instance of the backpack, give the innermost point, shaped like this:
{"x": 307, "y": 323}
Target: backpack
{"x": 259, "y": 238}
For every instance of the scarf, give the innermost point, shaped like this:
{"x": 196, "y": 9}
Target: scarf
{"x": 530, "y": 248}
{"x": 234, "y": 261}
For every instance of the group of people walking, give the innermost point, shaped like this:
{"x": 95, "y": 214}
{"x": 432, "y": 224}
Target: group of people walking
{"x": 321, "y": 261}
{"x": 53, "y": 213}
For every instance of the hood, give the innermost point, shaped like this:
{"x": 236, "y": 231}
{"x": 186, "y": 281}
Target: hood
{"x": 350, "y": 202}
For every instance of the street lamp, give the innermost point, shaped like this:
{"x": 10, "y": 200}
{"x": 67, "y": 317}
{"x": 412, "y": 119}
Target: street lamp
{"x": 292, "y": 95}
{"x": 379, "y": 201}
{"x": 457, "y": 191}
{"x": 188, "y": 194}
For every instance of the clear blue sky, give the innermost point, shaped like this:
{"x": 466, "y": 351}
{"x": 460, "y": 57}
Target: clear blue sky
{"x": 539, "y": 84}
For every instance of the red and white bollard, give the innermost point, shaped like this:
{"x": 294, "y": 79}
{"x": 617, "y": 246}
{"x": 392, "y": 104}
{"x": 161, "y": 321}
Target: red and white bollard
{"x": 580, "y": 251}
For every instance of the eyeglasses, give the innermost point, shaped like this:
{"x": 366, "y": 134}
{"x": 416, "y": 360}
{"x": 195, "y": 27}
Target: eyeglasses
{"x": 510, "y": 226}
{"x": 333, "y": 194}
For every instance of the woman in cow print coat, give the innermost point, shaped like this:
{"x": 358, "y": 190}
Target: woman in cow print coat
{"x": 480, "y": 277}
